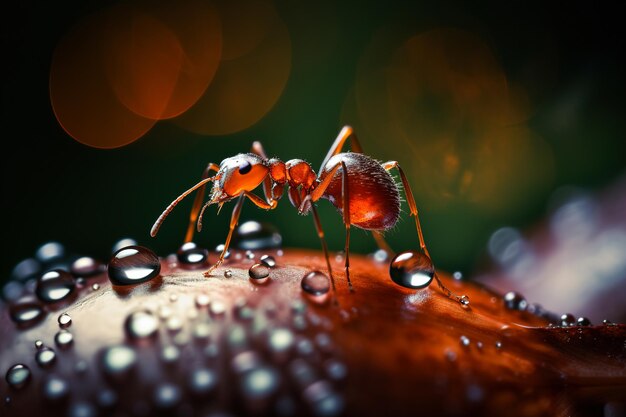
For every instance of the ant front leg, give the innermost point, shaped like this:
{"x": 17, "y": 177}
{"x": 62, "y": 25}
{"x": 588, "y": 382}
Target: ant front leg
{"x": 234, "y": 219}
{"x": 197, "y": 202}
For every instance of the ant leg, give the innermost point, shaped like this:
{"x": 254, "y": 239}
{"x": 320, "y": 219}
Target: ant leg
{"x": 320, "y": 234}
{"x": 382, "y": 243}
{"x": 197, "y": 203}
{"x": 234, "y": 219}
{"x": 345, "y": 191}
{"x": 413, "y": 207}
{"x": 346, "y": 133}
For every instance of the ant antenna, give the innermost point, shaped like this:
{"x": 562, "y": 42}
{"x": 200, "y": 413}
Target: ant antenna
{"x": 168, "y": 210}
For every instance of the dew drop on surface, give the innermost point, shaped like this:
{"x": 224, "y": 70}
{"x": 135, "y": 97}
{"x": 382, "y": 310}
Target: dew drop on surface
{"x": 202, "y": 300}
{"x": 12, "y": 290}
{"x": 583, "y": 321}
{"x": 173, "y": 297}
{"x": 253, "y": 235}
{"x": 174, "y": 324}
{"x": 412, "y": 269}
{"x": 261, "y": 382}
{"x": 457, "y": 275}
{"x": 316, "y": 285}
{"x": 26, "y": 269}
{"x": 245, "y": 361}
{"x": 18, "y": 376}
{"x": 249, "y": 254}
{"x": 50, "y": 251}
{"x": 82, "y": 409}
{"x": 323, "y": 399}
{"x": 191, "y": 254}
{"x": 381, "y": 256}
{"x": 64, "y": 339}
{"x": 259, "y": 273}
{"x": 302, "y": 372}
{"x": 56, "y": 389}
{"x": 202, "y": 381}
{"x": 86, "y": 266}
{"x": 170, "y": 354}
{"x": 118, "y": 360}
{"x": 54, "y": 285}
{"x": 64, "y": 320}
{"x": 167, "y": 395}
{"x": 280, "y": 340}
{"x": 45, "y": 357}
{"x": 81, "y": 367}
{"x": 335, "y": 369}
{"x": 219, "y": 248}
{"x": 217, "y": 308}
{"x": 568, "y": 320}
{"x": 228, "y": 273}
{"x": 95, "y": 286}
{"x": 464, "y": 300}
{"x": 464, "y": 340}
{"x": 132, "y": 265}
{"x": 498, "y": 345}
{"x": 141, "y": 324}
{"x": 38, "y": 344}
{"x": 515, "y": 301}
{"x": 268, "y": 260}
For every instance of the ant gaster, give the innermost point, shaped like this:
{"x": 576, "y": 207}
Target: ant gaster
{"x": 351, "y": 179}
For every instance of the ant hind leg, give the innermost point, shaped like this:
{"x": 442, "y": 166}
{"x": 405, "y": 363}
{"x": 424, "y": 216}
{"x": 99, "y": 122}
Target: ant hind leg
{"x": 197, "y": 202}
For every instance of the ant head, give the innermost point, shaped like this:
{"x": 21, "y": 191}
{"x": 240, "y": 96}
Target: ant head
{"x": 243, "y": 172}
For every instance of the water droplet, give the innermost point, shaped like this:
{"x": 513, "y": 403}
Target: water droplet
{"x": 202, "y": 382}
{"x": 217, "y": 308}
{"x": 167, "y": 395}
{"x": 38, "y": 344}
{"x": 219, "y": 248}
{"x": 324, "y": 342}
{"x": 54, "y": 286}
{"x": 202, "y": 331}
{"x": 298, "y": 306}
{"x": 12, "y": 290}
{"x": 132, "y": 265}
{"x": 568, "y": 320}
{"x": 191, "y": 254}
{"x": 228, "y": 273}
{"x": 280, "y": 340}
{"x": 173, "y": 297}
{"x": 583, "y": 321}
{"x": 45, "y": 357}
{"x": 249, "y": 254}
{"x": 412, "y": 269}
{"x": 64, "y": 339}
{"x": 174, "y": 324}
{"x": 464, "y": 300}
{"x": 202, "y": 300}
{"x": 245, "y": 361}
{"x": 457, "y": 275}
{"x": 259, "y": 273}
{"x": 261, "y": 382}
{"x": 323, "y": 399}
{"x": 64, "y": 320}
{"x": 107, "y": 399}
{"x": 56, "y": 389}
{"x": 336, "y": 369}
{"x": 464, "y": 340}
{"x": 316, "y": 285}
{"x": 498, "y": 345}
{"x": 479, "y": 345}
{"x": 450, "y": 355}
{"x": 81, "y": 367}
{"x": 95, "y": 286}
{"x": 515, "y": 301}
{"x": 253, "y": 235}
{"x": 268, "y": 260}
{"x": 26, "y": 269}
{"x": 49, "y": 252}
{"x": 305, "y": 347}
{"x": 170, "y": 354}
{"x": 607, "y": 322}
{"x": 302, "y": 372}
{"x": 118, "y": 361}
{"x": 86, "y": 266}
{"x": 381, "y": 256}
{"x": 141, "y": 324}
{"x": 82, "y": 409}
{"x": 18, "y": 376}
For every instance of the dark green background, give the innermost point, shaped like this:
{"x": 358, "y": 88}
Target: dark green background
{"x": 57, "y": 189}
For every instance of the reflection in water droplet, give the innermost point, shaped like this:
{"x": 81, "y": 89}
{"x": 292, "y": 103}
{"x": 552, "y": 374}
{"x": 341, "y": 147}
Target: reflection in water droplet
{"x": 191, "y": 254}
{"x": 316, "y": 285}
{"x": 202, "y": 382}
{"x": 86, "y": 266}
{"x": 583, "y": 321}
{"x": 64, "y": 339}
{"x": 302, "y": 372}
{"x": 167, "y": 395}
{"x": 464, "y": 340}
{"x": 412, "y": 269}
{"x": 268, "y": 260}
{"x": 515, "y": 301}
{"x": 253, "y": 235}
{"x": 141, "y": 324}
{"x": 45, "y": 357}
{"x": 56, "y": 389}
{"x": 132, "y": 265}
{"x": 18, "y": 376}
{"x": 228, "y": 273}
{"x": 323, "y": 399}
{"x": 118, "y": 360}
{"x": 174, "y": 324}
{"x": 64, "y": 320}
{"x": 259, "y": 273}
{"x": 54, "y": 286}
{"x": 123, "y": 243}
{"x": 50, "y": 251}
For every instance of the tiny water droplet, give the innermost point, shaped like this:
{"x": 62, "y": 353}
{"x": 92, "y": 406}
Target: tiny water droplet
{"x": 174, "y": 324}
{"x": 191, "y": 254}
{"x": 336, "y": 369}
{"x": 323, "y": 399}
{"x": 54, "y": 285}
{"x": 464, "y": 340}
{"x": 167, "y": 395}
{"x": 479, "y": 345}
{"x": 56, "y": 389}
{"x": 50, "y": 251}
{"x": 118, "y": 360}
{"x": 38, "y": 344}
{"x": 81, "y": 367}
{"x": 202, "y": 300}
{"x": 253, "y": 235}
{"x": 412, "y": 269}
{"x": 498, "y": 345}
{"x": 45, "y": 357}
{"x": 316, "y": 285}
{"x": 86, "y": 266}
{"x": 515, "y": 301}
{"x": 583, "y": 321}
{"x": 64, "y": 339}
{"x": 18, "y": 376}
{"x": 64, "y": 320}
{"x": 141, "y": 324}
{"x": 202, "y": 331}
{"x": 173, "y": 297}
{"x": 457, "y": 275}
{"x": 217, "y": 308}
{"x": 228, "y": 273}
{"x": 268, "y": 260}
{"x": 249, "y": 254}
{"x": 170, "y": 354}
{"x": 280, "y": 340}
{"x": 607, "y": 322}
{"x": 132, "y": 265}
{"x": 259, "y": 273}
{"x": 381, "y": 256}
{"x": 450, "y": 355}
{"x": 26, "y": 269}
{"x": 107, "y": 399}
{"x": 261, "y": 382}
{"x": 464, "y": 300}
{"x": 95, "y": 286}
{"x": 82, "y": 409}
{"x": 568, "y": 320}
{"x": 202, "y": 382}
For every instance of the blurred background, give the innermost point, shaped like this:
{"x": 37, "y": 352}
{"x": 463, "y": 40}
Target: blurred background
{"x": 501, "y": 114}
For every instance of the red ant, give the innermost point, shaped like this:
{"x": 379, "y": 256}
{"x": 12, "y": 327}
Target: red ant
{"x": 350, "y": 179}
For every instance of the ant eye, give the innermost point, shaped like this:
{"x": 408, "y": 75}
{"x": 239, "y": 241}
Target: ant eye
{"x": 245, "y": 167}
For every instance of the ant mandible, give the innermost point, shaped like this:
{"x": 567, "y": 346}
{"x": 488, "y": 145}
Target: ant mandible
{"x": 351, "y": 179}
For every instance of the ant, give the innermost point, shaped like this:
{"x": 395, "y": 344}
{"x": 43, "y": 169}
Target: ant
{"x": 353, "y": 180}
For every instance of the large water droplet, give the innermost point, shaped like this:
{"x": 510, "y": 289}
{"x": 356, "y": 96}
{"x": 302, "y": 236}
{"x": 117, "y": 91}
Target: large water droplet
{"x": 515, "y": 301}
{"x": 49, "y": 252}
{"x": 86, "y": 266}
{"x": 190, "y": 254}
{"x": 141, "y": 324}
{"x": 18, "y": 376}
{"x": 118, "y": 361}
{"x": 54, "y": 286}
{"x": 316, "y": 285}
{"x": 583, "y": 321}
{"x": 253, "y": 235}
{"x": 26, "y": 312}
{"x": 259, "y": 273}
{"x": 132, "y": 265}
{"x": 412, "y": 269}
{"x": 45, "y": 357}
{"x": 64, "y": 320}
{"x": 56, "y": 389}
{"x": 64, "y": 339}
